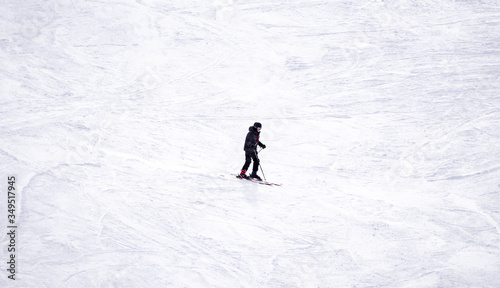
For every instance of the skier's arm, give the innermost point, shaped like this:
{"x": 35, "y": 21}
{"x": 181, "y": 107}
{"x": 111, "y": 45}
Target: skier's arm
{"x": 261, "y": 145}
{"x": 248, "y": 142}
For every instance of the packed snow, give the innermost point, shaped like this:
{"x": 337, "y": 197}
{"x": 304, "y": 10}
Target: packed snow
{"x": 124, "y": 121}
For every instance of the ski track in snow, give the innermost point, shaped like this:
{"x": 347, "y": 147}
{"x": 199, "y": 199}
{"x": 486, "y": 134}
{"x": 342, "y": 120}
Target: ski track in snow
{"x": 124, "y": 121}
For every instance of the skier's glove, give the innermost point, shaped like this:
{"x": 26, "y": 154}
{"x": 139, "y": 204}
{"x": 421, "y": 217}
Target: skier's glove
{"x": 263, "y": 146}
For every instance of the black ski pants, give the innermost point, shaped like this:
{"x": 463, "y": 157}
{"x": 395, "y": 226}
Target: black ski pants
{"x": 249, "y": 156}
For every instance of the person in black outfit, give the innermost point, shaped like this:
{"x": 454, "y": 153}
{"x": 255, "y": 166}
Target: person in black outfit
{"x": 251, "y": 142}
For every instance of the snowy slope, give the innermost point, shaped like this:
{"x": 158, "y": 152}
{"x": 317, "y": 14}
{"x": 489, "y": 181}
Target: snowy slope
{"x": 123, "y": 122}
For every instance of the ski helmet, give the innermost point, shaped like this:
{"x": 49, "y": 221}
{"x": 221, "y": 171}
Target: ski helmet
{"x": 257, "y": 125}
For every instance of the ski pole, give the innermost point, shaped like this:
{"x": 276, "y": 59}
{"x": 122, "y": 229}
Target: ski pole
{"x": 262, "y": 170}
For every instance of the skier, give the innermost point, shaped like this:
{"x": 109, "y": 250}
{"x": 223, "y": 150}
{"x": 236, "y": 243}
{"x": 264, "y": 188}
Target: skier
{"x": 251, "y": 142}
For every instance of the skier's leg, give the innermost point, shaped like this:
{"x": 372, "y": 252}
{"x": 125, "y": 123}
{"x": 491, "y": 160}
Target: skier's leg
{"x": 255, "y": 169}
{"x": 256, "y": 163}
{"x": 248, "y": 159}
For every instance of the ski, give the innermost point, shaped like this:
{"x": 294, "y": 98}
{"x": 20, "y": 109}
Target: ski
{"x": 262, "y": 182}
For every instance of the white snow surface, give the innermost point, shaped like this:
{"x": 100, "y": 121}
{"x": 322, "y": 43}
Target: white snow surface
{"x": 124, "y": 121}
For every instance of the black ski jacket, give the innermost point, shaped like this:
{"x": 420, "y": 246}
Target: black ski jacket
{"x": 252, "y": 140}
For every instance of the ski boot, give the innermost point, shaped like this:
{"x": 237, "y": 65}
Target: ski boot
{"x": 243, "y": 174}
{"x": 255, "y": 176}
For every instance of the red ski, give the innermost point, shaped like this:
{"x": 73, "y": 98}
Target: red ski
{"x": 258, "y": 181}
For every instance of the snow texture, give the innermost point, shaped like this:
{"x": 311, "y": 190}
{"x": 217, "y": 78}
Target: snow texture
{"x": 124, "y": 120}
